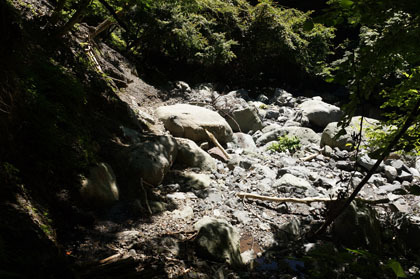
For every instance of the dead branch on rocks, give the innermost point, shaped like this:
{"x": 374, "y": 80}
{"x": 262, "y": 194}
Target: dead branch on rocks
{"x": 309, "y": 157}
{"x": 215, "y": 142}
{"x": 303, "y": 200}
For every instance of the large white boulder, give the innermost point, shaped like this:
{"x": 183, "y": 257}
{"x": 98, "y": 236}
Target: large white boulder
{"x": 188, "y": 121}
{"x": 319, "y": 113}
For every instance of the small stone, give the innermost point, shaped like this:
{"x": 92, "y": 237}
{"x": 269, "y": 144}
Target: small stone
{"x": 216, "y": 153}
{"x": 242, "y": 216}
{"x": 176, "y": 196}
{"x": 248, "y": 256}
{"x": 328, "y": 151}
{"x": 405, "y": 176}
{"x": 272, "y": 114}
{"x": 414, "y": 172}
{"x": 263, "y": 99}
{"x": 205, "y": 146}
{"x": 344, "y": 165}
{"x": 186, "y": 213}
{"x": 400, "y": 206}
{"x": 292, "y": 181}
{"x": 398, "y": 164}
{"x": 264, "y": 226}
{"x": 218, "y": 239}
{"x": 390, "y": 173}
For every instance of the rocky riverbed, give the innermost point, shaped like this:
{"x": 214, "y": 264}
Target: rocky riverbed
{"x": 184, "y": 218}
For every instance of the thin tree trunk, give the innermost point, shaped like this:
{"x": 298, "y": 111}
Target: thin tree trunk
{"x": 337, "y": 212}
{"x": 114, "y": 14}
{"x": 104, "y": 25}
{"x": 75, "y": 18}
{"x": 57, "y": 12}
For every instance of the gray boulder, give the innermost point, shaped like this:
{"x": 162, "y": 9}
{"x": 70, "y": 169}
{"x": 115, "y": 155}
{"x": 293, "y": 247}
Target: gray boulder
{"x": 306, "y": 135}
{"x": 241, "y": 116}
{"x": 150, "y": 159}
{"x": 219, "y": 240}
{"x": 100, "y": 187}
{"x": 188, "y": 121}
{"x": 346, "y": 141}
{"x": 191, "y": 155}
{"x": 319, "y": 113}
{"x": 247, "y": 119}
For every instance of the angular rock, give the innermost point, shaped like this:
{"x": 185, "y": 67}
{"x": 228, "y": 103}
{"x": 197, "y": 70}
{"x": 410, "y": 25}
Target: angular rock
{"x": 405, "y": 176}
{"x": 282, "y": 98}
{"x": 289, "y": 231}
{"x": 390, "y": 173}
{"x": 244, "y": 141}
{"x": 346, "y": 141}
{"x": 149, "y": 160}
{"x": 188, "y": 121}
{"x": 216, "y": 153}
{"x": 344, "y": 165}
{"x": 272, "y": 114}
{"x": 242, "y": 216}
{"x": 320, "y": 114}
{"x": 239, "y": 114}
{"x": 186, "y": 213}
{"x": 417, "y": 166}
{"x": 366, "y": 162}
{"x": 397, "y": 164}
{"x": 191, "y": 155}
{"x": 219, "y": 240}
{"x": 414, "y": 172}
{"x": 100, "y": 188}
{"x": 247, "y": 119}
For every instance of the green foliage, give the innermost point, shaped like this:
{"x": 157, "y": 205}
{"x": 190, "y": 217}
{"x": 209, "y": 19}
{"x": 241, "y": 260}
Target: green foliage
{"x": 328, "y": 262}
{"x": 54, "y": 134}
{"x": 286, "y": 143}
{"x": 378, "y": 69}
{"x": 241, "y": 38}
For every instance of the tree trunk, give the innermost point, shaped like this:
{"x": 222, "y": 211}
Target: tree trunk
{"x": 57, "y": 12}
{"x": 104, "y": 25}
{"x": 75, "y": 18}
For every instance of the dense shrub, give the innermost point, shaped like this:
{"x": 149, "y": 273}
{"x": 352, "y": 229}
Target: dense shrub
{"x": 232, "y": 38}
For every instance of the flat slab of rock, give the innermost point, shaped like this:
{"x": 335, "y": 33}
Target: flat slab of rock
{"x": 306, "y": 135}
{"x": 188, "y": 121}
